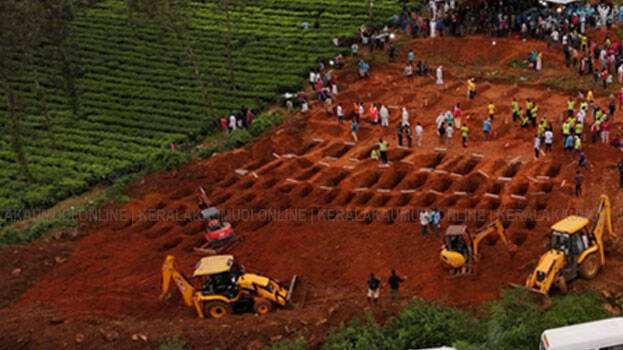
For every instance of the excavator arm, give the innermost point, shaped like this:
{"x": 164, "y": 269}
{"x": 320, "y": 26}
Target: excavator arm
{"x": 170, "y": 273}
{"x": 603, "y": 220}
{"x": 494, "y": 227}
{"x": 267, "y": 287}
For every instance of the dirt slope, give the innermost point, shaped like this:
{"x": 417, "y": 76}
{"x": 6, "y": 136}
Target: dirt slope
{"x": 308, "y": 168}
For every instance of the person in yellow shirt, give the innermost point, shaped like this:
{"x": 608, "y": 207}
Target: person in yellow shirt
{"x": 515, "y": 107}
{"x": 491, "y": 108}
{"x": 589, "y": 96}
{"x": 471, "y": 88}
{"x": 570, "y": 107}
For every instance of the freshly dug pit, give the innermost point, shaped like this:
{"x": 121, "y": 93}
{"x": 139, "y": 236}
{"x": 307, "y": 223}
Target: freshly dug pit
{"x": 403, "y": 199}
{"x": 229, "y": 181}
{"x": 334, "y": 178}
{"x": 181, "y": 193}
{"x": 435, "y": 160}
{"x": 553, "y": 170}
{"x": 448, "y": 201}
{"x": 286, "y": 188}
{"x": 470, "y": 185}
{"x": 441, "y": 184}
{"x": 331, "y": 195}
{"x": 158, "y": 232}
{"x": 246, "y": 184}
{"x": 466, "y": 167}
{"x": 511, "y": 170}
{"x": 270, "y": 168}
{"x": 380, "y": 200}
{"x": 391, "y": 179}
{"x": 365, "y": 154}
{"x": 413, "y": 182}
{"x": 170, "y": 244}
{"x": 305, "y": 190}
{"x": 368, "y": 179}
{"x": 336, "y": 150}
{"x": 520, "y": 189}
{"x": 222, "y": 198}
{"x": 530, "y": 224}
{"x": 495, "y": 188}
{"x": 541, "y": 203}
{"x": 518, "y": 237}
{"x": 305, "y": 148}
{"x": 344, "y": 198}
{"x": 428, "y": 200}
{"x": 396, "y": 155}
{"x": 246, "y": 199}
{"x": 268, "y": 183}
{"x": 307, "y": 174}
{"x": 546, "y": 187}
{"x": 363, "y": 198}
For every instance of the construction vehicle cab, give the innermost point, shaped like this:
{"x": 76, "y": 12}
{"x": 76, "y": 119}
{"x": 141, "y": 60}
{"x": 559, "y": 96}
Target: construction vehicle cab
{"x": 218, "y": 232}
{"x": 461, "y": 248}
{"x": 223, "y": 287}
{"x": 576, "y": 249}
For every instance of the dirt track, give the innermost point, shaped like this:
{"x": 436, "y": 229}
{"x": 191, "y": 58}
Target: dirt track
{"x": 308, "y": 167}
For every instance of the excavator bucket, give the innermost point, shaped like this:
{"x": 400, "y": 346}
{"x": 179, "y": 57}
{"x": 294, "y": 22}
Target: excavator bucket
{"x": 291, "y": 288}
{"x": 543, "y": 299}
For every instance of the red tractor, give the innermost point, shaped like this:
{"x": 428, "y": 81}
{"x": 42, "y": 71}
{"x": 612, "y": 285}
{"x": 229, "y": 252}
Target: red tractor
{"x": 218, "y": 233}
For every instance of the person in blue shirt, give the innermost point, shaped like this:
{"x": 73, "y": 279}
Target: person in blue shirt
{"x": 486, "y": 128}
{"x": 354, "y": 130}
{"x": 411, "y": 56}
{"x": 569, "y": 143}
{"x": 435, "y": 219}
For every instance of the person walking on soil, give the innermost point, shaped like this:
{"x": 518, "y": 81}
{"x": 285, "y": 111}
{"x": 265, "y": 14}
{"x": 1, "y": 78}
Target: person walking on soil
{"x": 491, "y": 108}
{"x": 353, "y": 127}
{"x": 374, "y": 284}
{"x": 409, "y": 72}
{"x": 471, "y": 89}
{"x": 620, "y": 166}
{"x": 383, "y": 150}
{"x": 373, "y": 112}
{"x": 340, "y": 113}
{"x": 418, "y": 134}
{"x": 537, "y": 147}
{"x": 579, "y": 178}
{"x": 457, "y": 116}
{"x": 570, "y": 107}
{"x": 582, "y": 162}
{"x": 407, "y": 128}
{"x": 515, "y": 109}
{"x": 549, "y": 139}
{"x": 405, "y": 116}
{"x": 464, "y": 133}
{"x": 394, "y": 282}
{"x": 435, "y": 220}
{"x": 441, "y": 131}
{"x": 424, "y": 221}
{"x": 486, "y": 128}
{"x": 384, "y": 112}
{"x": 400, "y": 134}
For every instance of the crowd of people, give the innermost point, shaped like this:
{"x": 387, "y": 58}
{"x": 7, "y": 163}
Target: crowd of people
{"x": 241, "y": 119}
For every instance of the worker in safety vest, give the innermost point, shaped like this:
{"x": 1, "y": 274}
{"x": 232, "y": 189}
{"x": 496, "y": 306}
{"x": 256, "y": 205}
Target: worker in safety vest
{"x": 515, "y": 108}
{"x": 570, "y": 107}
{"x": 383, "y": 149}
{"x": 524, "y": 118}
{"x": 464, "y": 133}
{"x": 565, "y": 130}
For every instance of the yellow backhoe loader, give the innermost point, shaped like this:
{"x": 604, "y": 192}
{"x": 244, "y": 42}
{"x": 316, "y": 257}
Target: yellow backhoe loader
{"x": 575, "y": 250}
{"x": 224, "y": 287}
{"x": 460, "y": 247}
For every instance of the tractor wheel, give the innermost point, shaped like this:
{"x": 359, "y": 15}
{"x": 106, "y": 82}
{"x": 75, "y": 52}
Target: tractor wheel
{"x": 262, "y": 306}
{"x": 589, "y": 267}
{"x": 216, "y": 309}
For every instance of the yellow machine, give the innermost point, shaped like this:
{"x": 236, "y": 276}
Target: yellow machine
{"x": 574, "y": 250}
{"x": 460, "y": 248}
{"x": 225, "y": 287}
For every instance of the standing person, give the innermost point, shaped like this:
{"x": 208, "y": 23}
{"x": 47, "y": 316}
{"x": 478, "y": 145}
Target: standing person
{"x": 515, "y": 109}
{"x": 605, "y": 132}
{"x": 491, "y": 108}
{"x": 224, "y": 125}
{"x": 405, "y": 116}
{"x": 355, "y": 50}
{"x": 441, "y": 131}
{"x": 400, "y": 134}
{"x": 374, "y": 114}
{"x": 582, "y": 162}
{"x": 577, "y": 145}
{"x": 620, "y": 166}
{"x": 449, "y": 132}
{"x": 418, "y": 134}
{"x": 391, "y": 52}
{"x": 409, "y": 135}
{"x": 353, "y": 127}
{"x": 578, "y": 183}
{"x": 435, "y": 221}
{"x": 384, "y": 116}
{"x": 621, "y": 96}
{"x": 383, "y": 150}
{"x": 394, "y": 284}
{"x": 471, "y": 89}
{"x": 464, "y": 133}
{"x": 340, "y": 113}
{"x": 410, "y": 56}
{"x": 486, "y": 128}
{"x": 439, "y": 75}
{"x": 356, "y": 111}
{"x": 570, "y": 107}
{"x": 612, "y": 107}
{"x": 361, "y": 111}
{"x": 537, "y": 146}
{"x": 549, "y": 139}
{"x": 374, "y": 285}
{"x": 232, "y": 121}
{"x": 424, "y": 221}
{"x": 409, "y": 72}
{"x": 457, "y": 115}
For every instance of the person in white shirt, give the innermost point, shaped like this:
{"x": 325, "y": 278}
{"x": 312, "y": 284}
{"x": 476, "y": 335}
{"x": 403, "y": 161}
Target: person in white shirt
{"x": 537, "y": 146}
{"x": 405, "y": 116}
{"x": 449, "y": 134}
{"x": 440, "y": 119}
{"x": 232, "y": 122}
{"x": 549, "y": 138}
{"x": 424, "y": 221}
{"x": 440, "y": 75}
{"x": 418, "y": 134}
{"x": 355, "y": 50}
{"x": 384, "y": 113}
{"x": 340, "y": 113}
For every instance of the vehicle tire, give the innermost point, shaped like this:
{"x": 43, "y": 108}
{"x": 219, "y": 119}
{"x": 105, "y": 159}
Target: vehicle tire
{"x": 262, "y": 306}
{"x": 589, "y": 267}
{"x": 216, "y": 309}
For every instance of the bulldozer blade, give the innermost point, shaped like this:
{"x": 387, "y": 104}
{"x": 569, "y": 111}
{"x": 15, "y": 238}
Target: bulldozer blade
{"x": 291, "y": 288}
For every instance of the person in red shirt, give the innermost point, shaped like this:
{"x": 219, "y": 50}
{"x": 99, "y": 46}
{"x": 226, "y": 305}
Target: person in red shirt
{"x": 318, "y": 85}
{"x": 224, "y": 124}
{"x": 605, "y": 132}
{"x": 604, "y": 78}
{"x": 374, "y": 115}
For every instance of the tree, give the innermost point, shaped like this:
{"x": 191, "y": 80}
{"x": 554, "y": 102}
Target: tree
{"x": 18, "y": 28}
{"x": 225, "y": 6}
{"x": 172, "y": 15}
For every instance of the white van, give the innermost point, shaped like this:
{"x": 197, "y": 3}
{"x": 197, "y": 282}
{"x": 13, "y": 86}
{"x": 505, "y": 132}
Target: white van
{"x": 598, "y": 335}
